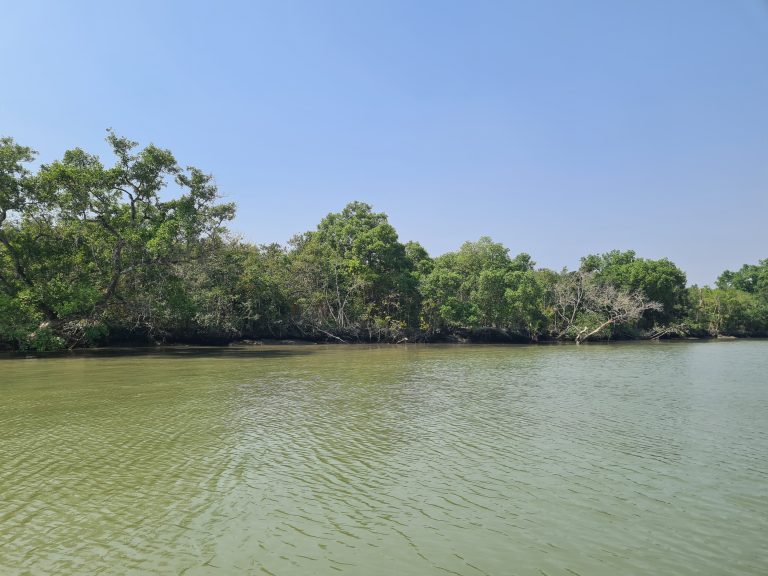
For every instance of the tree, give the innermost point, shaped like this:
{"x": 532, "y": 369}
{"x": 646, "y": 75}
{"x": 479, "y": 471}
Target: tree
{"x": 658, "y": 280}
{"x": 466, "y": 288}
{"x": 613, "y": 306}
{"x": 352, "y": 276}
{"x": 524, "y": 298}
{"x": 14, "y": 177}
{"x": 727, "y": 311}
{"x": 583, "y": 306}
{"x": 78, "y": 237}
{"x": 419, "y": 258}
{"x": 480, "y": 286}
{"x": 749, "y": 278}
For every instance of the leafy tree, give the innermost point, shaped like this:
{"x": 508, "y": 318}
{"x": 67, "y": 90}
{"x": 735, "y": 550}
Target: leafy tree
{"x": 352, "y": 276}
{"x": 442, "y": 305}
{"x": 466, "y": 288}
{"x": 524, "y": 298}
{"x": 749, "y": 278}
{"x": 658, "y": 280}
{"x": 76, "y": 234}
{"x": 419, "y": 258}
{"x": 727, "y": 311}
{"x": 481, "y": 286}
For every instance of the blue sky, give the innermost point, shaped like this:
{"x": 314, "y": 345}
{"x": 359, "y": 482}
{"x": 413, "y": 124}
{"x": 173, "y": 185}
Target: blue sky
{"x": 559, "y": 128}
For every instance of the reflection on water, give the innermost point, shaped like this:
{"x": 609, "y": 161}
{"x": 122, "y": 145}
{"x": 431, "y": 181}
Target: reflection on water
{"x": 621, "y": 459}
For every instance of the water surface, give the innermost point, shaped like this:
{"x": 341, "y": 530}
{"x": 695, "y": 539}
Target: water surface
{"x": 410, "y": 460}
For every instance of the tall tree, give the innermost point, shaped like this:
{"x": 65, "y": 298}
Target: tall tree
{"x": 658, "y": 280}
{"x": 80, "y": 232}
{"x": 353, "y": 277}
{"x": 751, "y": 278}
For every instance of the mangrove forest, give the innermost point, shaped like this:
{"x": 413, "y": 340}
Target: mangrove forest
{"x": 138, "y": 252}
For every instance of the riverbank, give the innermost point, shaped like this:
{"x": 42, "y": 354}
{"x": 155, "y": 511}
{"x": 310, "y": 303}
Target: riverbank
{"x": 485, "y": 335}
{"x": 452, "y": 336}
{"x": 186, "y": 348}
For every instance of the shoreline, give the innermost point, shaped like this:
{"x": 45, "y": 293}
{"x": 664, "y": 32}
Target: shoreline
{"x": 195, "y": 349}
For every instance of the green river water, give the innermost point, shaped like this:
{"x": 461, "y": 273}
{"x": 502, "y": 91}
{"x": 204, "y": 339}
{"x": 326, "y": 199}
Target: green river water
{"x": 616, "y": 459}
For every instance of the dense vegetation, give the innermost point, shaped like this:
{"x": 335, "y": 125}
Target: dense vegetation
{"x": 91, "y": 255}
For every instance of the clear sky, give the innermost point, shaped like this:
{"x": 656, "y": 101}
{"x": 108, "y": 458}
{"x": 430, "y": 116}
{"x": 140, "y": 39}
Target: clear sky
{"x": 560, "y": 128}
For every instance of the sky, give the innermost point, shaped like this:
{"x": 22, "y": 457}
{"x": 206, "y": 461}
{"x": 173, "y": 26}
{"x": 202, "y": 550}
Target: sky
{"x": 558, "y": 128}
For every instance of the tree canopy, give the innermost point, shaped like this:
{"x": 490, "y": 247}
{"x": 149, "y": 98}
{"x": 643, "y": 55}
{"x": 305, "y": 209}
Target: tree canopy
{"x": 81, "y": 241}
{"x": 137, "y": 250}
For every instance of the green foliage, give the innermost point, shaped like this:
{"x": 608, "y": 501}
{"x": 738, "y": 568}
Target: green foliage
{"x": 14, "y": 176}
{"x": 659, "y": 280}
{"x": 352, "y": 276}
{"x": 481, "y": 286}
{"x": 93, "y": 253}
{"x": 750, "y": 278}
{"x": 419, "y": 259}
{"x": 18, "y": 320}
{"x": 727, "y": 311}
{"x": 524, "y": 296}
{"x": 78, "y": 237}
{"x": 44, "y": 339}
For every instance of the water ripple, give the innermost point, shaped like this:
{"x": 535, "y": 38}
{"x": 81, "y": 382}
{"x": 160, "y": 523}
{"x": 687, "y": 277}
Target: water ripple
{"x": 462, "y": 460}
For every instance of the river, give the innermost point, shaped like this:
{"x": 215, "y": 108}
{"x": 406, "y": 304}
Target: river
{"x": 636, "y": 458}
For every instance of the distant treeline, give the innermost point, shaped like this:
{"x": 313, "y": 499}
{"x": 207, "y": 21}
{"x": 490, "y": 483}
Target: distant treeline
{"x": 94, "y": 255}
